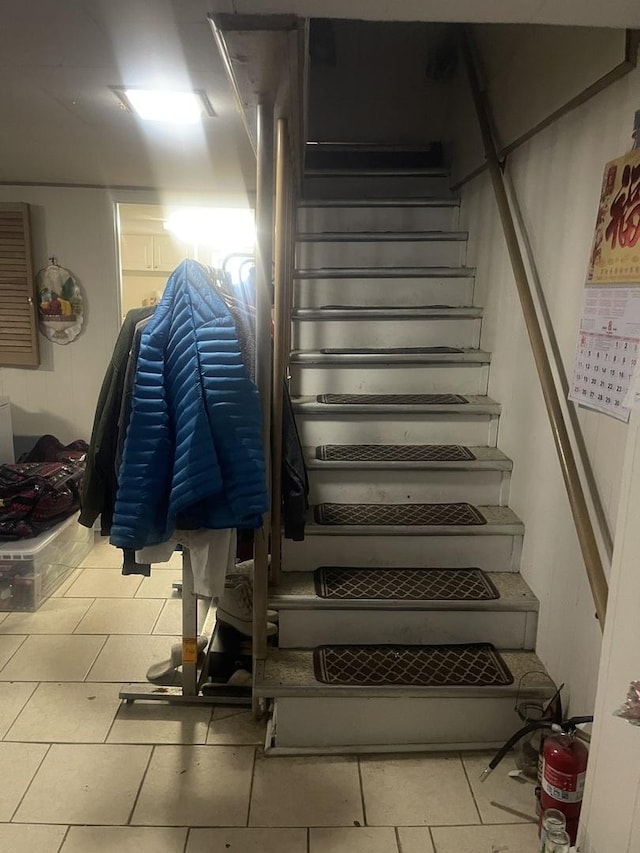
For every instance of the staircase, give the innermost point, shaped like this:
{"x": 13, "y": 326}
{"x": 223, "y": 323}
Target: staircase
{"x": 407, "y": 583}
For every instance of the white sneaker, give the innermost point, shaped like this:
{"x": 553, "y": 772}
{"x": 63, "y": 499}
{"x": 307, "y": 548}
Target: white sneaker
{"x": 235, "y": 606}
{"x": 240, "y": 678}
{"x": 165, "y": 671}
{"x": 244, "y": 571}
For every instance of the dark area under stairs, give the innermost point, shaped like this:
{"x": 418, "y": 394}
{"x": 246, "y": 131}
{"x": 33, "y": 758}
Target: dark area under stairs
{"x": 371, "y": 157}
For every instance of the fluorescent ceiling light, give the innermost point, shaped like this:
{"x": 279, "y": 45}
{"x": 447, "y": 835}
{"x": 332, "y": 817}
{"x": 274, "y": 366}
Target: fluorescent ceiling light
{"x": 165, "y": 105}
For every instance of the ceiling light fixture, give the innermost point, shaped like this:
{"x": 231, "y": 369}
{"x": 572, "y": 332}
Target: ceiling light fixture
{"x": 165, "y": 105}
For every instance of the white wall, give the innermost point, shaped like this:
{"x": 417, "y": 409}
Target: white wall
{"x": 77, "y": 227}
{"x": 557, "y": 178}
{"x": 529, "y": 71}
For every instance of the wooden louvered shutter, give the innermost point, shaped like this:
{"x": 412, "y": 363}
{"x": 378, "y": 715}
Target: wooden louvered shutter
{"x": 18, "y": 321}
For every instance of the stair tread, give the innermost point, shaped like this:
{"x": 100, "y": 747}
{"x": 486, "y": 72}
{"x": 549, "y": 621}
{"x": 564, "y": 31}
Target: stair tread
{"x": 376, "y": 356}
{"x": 427, "y": 171}
{"x": 290, "y": 672}
{"x": 296, "y": 590}
{"x": 486, "y": 458}
{"x": 363, "y": 201}
{"x": 500, "y": 520}
{"x": 381, "y": 236}
{"x": 384, "y": 272}
{"x": 477, "y": 404}
{"x": 346, "y": 312}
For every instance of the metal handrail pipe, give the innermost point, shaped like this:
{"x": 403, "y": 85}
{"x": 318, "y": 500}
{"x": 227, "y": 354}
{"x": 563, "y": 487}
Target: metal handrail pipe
{"x": 264, "y": 260}
{"x": 575, "y": 492}
{"x": 279, "y": 341}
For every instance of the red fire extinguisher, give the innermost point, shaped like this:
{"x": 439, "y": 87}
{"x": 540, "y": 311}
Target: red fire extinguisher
{"x": 564, "y": 768}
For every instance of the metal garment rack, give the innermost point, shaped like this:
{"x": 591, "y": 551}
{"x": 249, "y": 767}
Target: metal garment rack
{"x": 195, "y": 689}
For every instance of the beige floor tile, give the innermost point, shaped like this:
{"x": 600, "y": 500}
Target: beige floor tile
{"x": 247, "y": 841}
{"x": 119, "y": 616}
{"x": 415, "y": 839}
{"x": 159, "y": 585}
{"x": 124, "y": 839}
{"x": 356, "y": 840}
{"x": 48, "y": 657}
{"x": 231, "y": 726}
{"x": 31, "y": 838}
{"x": 103, "y": 556}
{"x": 322, "y": 791}
{"x": 170, "y": 620}
{"x": 67, "y": 584}
{"x": 128, "y": 657}
{"x": 408, "y": 791}
{"x": 55, "y": 616}
{"x": 14, "y": 695}
{"x": 174, "y": 562}
{"x": 499, "y": 788}
{"x": 67, "y": 713}
{"x": 485, "y": 839}
{"x": 8, "y": 646}
{"x": 19, "y": 763}
{"x": 84, "y": 784}
{"x": 3, "y": 616}
{"x": 196, "y": 786}
{"x": 104, "y": 583}
{"x": 156, "y": 722}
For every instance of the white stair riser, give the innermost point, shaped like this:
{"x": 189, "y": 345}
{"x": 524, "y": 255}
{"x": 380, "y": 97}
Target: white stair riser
{"x": 470, "y": 430}
{"x": 491, "y": 552}
{"x": 399, "y": 292}
{"x": 480, "y": 487}
{"x": 378, "y": 186}
{"x": 306, "y": 629}
{"x": 382, "y": 253}
{"x": 440, "y": 331}
{"x": 456, "y": 378}
{"x": 393, "y": 723}
{"x": 315, "y": 220}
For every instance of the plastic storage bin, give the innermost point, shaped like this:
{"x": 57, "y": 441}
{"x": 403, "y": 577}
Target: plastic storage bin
{"x": 32, "y": 569}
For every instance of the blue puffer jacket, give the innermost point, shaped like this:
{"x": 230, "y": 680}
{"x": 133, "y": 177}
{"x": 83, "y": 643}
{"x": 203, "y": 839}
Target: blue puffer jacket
{"x": 194, "y": 443}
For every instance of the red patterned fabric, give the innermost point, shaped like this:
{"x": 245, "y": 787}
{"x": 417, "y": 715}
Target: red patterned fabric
{"x": 35, "y": 496}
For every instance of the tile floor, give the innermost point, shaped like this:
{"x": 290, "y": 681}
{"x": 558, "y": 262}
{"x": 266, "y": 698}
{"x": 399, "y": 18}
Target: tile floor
{"x": 83, "y": 772}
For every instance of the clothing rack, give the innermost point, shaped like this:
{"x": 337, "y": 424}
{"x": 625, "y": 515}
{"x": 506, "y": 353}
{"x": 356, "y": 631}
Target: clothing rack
{"x": 195, "y": 688}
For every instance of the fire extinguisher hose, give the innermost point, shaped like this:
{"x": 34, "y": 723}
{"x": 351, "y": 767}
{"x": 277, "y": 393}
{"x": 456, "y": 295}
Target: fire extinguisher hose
{"x": 567, "y": 726}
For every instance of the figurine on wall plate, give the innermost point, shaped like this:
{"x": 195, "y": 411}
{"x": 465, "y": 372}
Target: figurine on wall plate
{"x": 60, "y": 304}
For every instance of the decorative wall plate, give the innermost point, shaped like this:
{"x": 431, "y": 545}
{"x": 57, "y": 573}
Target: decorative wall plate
{"x": 60, "y": 304}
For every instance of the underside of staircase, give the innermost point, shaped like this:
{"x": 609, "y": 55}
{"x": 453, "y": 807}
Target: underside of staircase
{"x": 404, "y": 622}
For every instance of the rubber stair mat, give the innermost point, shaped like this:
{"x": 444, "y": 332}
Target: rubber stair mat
{"x": 388, "y": 308}
{"x": 468, "y": 665}
{"x": 392, "y": 399}
{"x": 346, "y": 583}
{"x": 393, "y": 453}
{"x": 390, "y": 350}
{"x": 402, "y": 515}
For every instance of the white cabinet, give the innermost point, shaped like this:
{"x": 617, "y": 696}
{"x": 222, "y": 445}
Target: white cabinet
{"x": 137, "y": 252}
{"x": 153, "y": 253}
{"x": 168, "y": 253}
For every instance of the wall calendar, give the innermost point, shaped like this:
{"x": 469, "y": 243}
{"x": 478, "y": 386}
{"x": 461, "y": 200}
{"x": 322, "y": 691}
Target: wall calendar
{"x": 609, "y": 335}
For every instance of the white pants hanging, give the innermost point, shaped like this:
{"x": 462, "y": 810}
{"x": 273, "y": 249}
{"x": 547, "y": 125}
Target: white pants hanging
{"x": 213, "y": 555}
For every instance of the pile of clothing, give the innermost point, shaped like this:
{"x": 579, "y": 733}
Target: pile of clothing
{"x": 41, "y": 489}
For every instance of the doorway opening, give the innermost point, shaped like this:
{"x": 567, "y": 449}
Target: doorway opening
{"x": 155, "y": 238}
